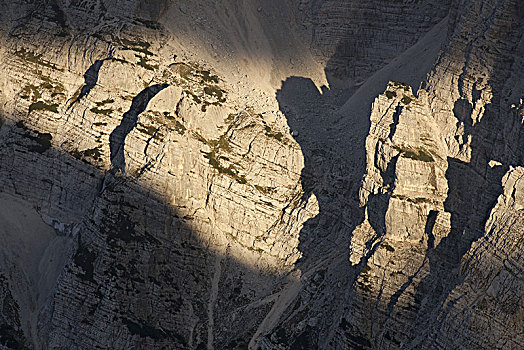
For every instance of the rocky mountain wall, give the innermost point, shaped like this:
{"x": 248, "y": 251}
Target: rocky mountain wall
{"x": 193, "y": 175}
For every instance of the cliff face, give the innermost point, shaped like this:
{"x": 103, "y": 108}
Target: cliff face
{"x": 357, "y": 38}
{"x": 177, "y": 174}
{"x": 438, "y": 177}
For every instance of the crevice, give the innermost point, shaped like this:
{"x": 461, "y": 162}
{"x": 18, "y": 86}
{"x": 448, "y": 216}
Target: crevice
{"x": 150, "y": 161}
{"x": 208, "y": 193}
{"x": 90, "y": 79}
{"x": 463, "y": 111}
{"x": 129, "y": 122}
{"x": 144, "y": 168}
{"x": 396, "y": 117}
{"x": 430, "y": 224}
{"x": 149, "y": 140}
{"x": 178, "y": 107}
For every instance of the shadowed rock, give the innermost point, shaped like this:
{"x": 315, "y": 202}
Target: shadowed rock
{"x": 117, "y": 138}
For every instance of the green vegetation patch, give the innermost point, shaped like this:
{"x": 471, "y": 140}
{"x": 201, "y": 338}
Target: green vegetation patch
{"x": 56, "y": 94}
{"x": 231, "y": 118}
{"x": 269, "y": 133}
{"x": 30, "y": 92}
{"x": 222, "y": 143}
{"x": 30, "y": 56}
{"x": 145, "y": 63}
{"x": 257, "y": 250}
{"x": 402, "y": 84}
{"x": 230, "y": 171}
{"x": 201, "y": 138}
{"x": 417, "y": 200}
{"x": 42, "y": 106}
{"x": 33, "y": 93}
{"x": 76, "y": 95}
{"x": 194, "y": 96}
{"x": 390, "y": 94}
{"x": 20, "y": 124}
{"x": 43, "y": 142}
{"x": 104, "y": 102}
{"x": 406, "y": 100}
{"x": 103, "y": 111}
{"x": 149, "y": 129}
{"x": 200, "y": 84}
{"x": 175, "y": 124}
{"x": 387, "y": 247}
{"x": 181, "y": 129}
{"x": 207, "y": 77}
{"x": 119, "y": 60}
{"x": 85, "y": 258}
{"x": 415, "y": 154}
{"x": 51, "y": 84}
{"x": 216, "y": 92}
{"x": 265, "y": 189}
{"x": 93, "y": 153}
{"x": 184, "y": 70}
{"x": 138, "y": 46}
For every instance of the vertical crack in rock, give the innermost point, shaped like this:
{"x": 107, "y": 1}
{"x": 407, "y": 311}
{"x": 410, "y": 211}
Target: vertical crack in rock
{"x": 91, "y": 78}
{"x": 364, "y": 228}
{"x": 11, "y": 333}
{"x": 323, "y": 237}
{"x": 149, "y": 141}
{"x": 150, "y": 161}
{"x": 393, "y": 126}
{"x": 430, "y": 224}
{"x": 129, "y": 122}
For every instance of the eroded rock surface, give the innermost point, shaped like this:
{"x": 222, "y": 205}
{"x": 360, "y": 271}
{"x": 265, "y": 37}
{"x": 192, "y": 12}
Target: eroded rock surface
{"x": 262, "y": 174}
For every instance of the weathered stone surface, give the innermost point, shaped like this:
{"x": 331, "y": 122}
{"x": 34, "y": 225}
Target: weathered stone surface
{"x": 183, "y": 178}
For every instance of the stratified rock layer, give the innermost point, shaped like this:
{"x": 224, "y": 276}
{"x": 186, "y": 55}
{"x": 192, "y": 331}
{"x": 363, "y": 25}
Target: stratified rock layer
{"x": 177, "y": 175}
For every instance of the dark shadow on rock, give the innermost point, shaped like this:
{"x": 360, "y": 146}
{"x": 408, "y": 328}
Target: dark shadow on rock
{"x": 326, "y": 174}
{"x": 428, "y": 229}
{"x": 129, "y": 121}
{"x": 90, "y": 79}
{"x": 393, "y": 126}
{"x": 375, "y": 36}
{"x": 139, "y": 275}
{"x": 471, "y": 196}
{"x": 473, "y": 189}
{"x": 333, "y": 169}
{"x": 463, "y": 111}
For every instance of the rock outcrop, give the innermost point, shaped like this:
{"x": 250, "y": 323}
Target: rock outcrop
{"x": 179, "y": 175}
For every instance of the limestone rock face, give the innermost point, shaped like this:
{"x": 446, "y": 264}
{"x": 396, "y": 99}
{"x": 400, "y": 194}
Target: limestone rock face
{"x": 377, "y": 32}
{"x": 261, "y": 174}
{"x": 436, "y": 164}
